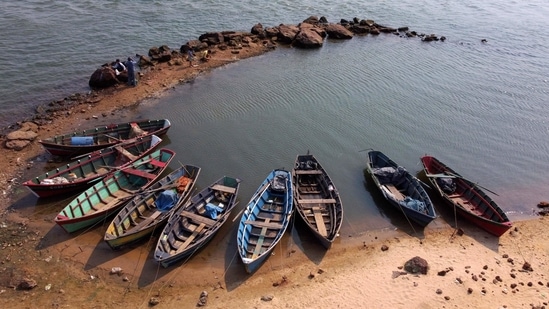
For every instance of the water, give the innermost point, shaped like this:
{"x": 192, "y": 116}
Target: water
{"x": 479, "y": 107}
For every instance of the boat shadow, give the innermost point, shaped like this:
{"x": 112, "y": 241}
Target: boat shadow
{"x": 306, "y": 241}
{"x": 395, "y": 216}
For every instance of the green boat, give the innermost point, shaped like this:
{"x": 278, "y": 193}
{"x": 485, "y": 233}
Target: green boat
{"x": 115, "y": 190}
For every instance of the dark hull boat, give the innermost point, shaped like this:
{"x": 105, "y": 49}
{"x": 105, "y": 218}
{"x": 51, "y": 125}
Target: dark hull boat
{"x": 400, "y": 188}
{"x": 316, "y": 199}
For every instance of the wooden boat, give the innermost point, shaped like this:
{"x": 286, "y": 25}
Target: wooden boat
{"x": 116, "y": 189}
{"x": 85, "y": 141}
{"x": 316, "y": 199}
{"x": 265, "y": 219}
{"x": 400, "y": 188}
{"x": 195, "y": 223}
{"x": 149, "y": 211}
{"x": 466, "y": 197}
{"x": 82, "y": 173}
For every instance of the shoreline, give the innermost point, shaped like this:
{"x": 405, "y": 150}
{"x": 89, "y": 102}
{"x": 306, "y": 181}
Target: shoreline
{"x": 78, "y": 268}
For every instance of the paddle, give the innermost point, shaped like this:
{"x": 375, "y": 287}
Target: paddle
{"x": 452, "y": 175}
{"x": 127, "y": 166}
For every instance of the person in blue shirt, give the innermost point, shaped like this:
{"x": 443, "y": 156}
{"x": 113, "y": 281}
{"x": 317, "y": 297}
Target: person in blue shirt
{"x": 130, "y": 66}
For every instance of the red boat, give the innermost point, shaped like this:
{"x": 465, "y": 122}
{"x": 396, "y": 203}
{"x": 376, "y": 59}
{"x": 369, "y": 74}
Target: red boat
{"x": 468, "y": 199}
{"x": 82, "y": 173}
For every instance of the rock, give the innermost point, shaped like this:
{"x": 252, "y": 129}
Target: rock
{"x": 336, "y": 31}
{"x": 416, "y": 265}
{"x": 29, "y": 126}
{"x": 103, "y": 77}
{"x": 27, "y": 284}
{"x": 257, "y": 29}
{"x": 17, "y": 145}
{"x": 397, "y": 274}
{"x": 543, "y": 204}
{"x": 438, "y": 291}
{"x": 21, "y": 135}
{"x": 203, "y": 300}
{"x": 384, "y": 248}
{"x": 287, "y": 33}
{"x": 526, "y": 266}
{"x": 267, "y": 297}
{"x": 154, "y": 301}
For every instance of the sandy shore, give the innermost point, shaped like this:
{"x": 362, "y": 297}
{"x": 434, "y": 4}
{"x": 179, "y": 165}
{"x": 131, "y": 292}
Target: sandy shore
{"x": 475, "y": 270}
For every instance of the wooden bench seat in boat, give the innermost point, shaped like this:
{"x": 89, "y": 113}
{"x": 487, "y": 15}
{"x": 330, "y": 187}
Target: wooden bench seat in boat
{"x": 224, "y": 189}
{"x": 316, "y": 201}
{"x": 139, "y": 173}
{"x": 308, "y": 172}
{"x": 198, "y": 218}
{"x": 398, "y": 195}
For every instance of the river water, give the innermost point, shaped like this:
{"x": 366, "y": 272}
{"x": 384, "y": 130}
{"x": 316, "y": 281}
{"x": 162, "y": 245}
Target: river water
{"x": 480, "y": 107}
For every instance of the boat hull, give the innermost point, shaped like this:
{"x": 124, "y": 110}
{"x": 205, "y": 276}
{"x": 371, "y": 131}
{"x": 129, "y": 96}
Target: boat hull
{"x": 316, "y": 199}
{"x": 109, "y": 195}
{"x": 141, "y": 217}
{"x": 194, "y": 224}
{"x": 84, "y": 172}
{"x": 465, "y": 197}
{"x": 265, "y": 219}
{"x": 400, "y": 188}
{"x": 101, "y": 137}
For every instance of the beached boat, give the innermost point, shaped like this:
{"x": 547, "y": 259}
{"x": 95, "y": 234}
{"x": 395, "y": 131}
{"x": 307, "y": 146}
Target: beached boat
{"x": 85, "y": 141}
{"x": 265, "y": 219}
{"x": 316, "y": 199}
{"x": 82, "y": 173}
{"x": 465, "y": 197}
{"x": 195, "y": 223}
{"x": 112, "y": 192}
{"x": 149, "y": 211}
{"x": 402, "y": 189}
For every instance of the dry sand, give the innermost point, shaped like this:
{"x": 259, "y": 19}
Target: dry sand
{"x": 475, "y": 270}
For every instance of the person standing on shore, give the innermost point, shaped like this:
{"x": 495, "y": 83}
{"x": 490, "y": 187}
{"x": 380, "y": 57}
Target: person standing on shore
{"x": 190, "y": 56}
{"x": 130, "y": 66}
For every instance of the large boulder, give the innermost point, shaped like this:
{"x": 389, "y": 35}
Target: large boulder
{"x": 336, "y": 31}
{"x": 416, "y": 265}
{"x": 212, "y": 38}
{"x": 103, "y": 77}
{"x": 308, "y": 37}
{"x": 287, "y": 33}
{"x": 160, "y": 54}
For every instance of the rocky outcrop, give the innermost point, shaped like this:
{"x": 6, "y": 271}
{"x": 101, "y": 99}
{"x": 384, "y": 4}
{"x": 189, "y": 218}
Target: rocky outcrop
{"x": 310, "y": 33}
{"x": 17, "y": 140}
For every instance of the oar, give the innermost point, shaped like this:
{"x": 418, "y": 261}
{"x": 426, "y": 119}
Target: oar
{"x": 452, "y": 175}
{"x": 114, "y": 138}
{"x": 186, "y": 171}
{"x": 127, "y": 166}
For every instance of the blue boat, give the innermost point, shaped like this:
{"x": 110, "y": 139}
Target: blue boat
{"x": 402, "y": 189}
{"x": 265, "y": 219}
